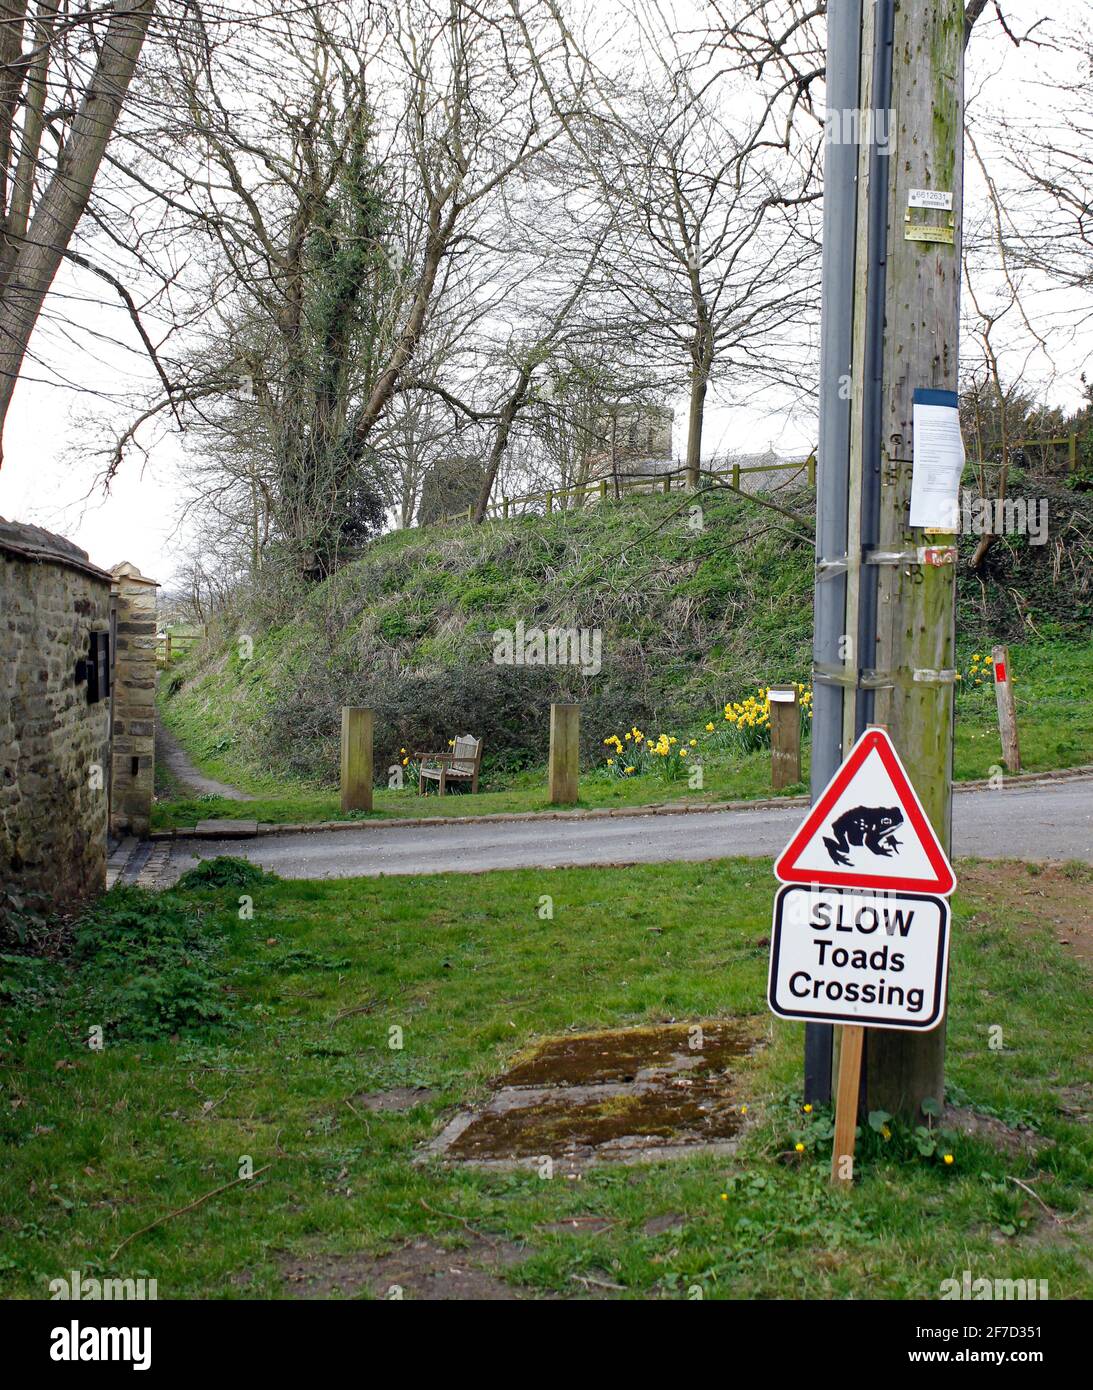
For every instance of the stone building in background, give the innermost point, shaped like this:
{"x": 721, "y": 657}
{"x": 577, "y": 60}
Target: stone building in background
{"x": 133, "y": 722}
{"x": 76, "y": 724}
{"x": 449, "y": 487}
{"x": 633, "y": 439}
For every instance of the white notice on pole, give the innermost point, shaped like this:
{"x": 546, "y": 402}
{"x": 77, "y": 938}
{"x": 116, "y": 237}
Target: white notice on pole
{"x": 938, "y": 461}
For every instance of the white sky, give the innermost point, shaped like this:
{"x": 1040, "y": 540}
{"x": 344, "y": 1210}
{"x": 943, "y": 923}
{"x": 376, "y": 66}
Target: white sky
{"x": 48, "y": 475}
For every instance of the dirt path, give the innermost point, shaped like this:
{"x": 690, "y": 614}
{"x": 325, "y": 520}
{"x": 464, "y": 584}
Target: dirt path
{"x": 171, "y": 755}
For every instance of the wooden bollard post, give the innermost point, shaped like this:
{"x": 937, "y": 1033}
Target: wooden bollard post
{"x": 1007, "y": 712}
{"x": 785, "y": 736}
{"x": 565, "y": 728}
{"x": 356, "y": 758}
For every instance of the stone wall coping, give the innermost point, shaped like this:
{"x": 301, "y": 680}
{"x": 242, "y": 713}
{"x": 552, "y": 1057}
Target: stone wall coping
{"x": 128, "y": 571}
{"x": 43, "y": 547}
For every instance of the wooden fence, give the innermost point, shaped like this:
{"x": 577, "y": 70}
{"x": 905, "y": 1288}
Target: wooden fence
{"x": 600, "y": 489}
{"x": 173, "y": 644}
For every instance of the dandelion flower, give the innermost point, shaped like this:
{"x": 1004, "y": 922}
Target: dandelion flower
{"x": 799, "y": 1147}
{"x": 947, "y": 1158}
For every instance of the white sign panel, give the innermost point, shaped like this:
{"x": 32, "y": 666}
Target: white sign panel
{"x": 937, "y": 461}
{"x": 930, "y": 198}
{"x": 875, "y": 959}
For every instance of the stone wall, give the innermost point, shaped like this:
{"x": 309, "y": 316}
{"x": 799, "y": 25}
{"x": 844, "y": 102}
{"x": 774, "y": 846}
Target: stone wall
{"x": 53, "y": 742}
{"x": 133, "y": 741}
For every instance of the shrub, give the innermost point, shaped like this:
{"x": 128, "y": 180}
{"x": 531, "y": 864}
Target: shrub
{"x": 147, "y": 965}
{"x": 225, "y": 871}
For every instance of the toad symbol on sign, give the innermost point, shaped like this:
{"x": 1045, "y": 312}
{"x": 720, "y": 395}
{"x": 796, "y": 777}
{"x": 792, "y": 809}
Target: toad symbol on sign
{"x": 873, "y": 827}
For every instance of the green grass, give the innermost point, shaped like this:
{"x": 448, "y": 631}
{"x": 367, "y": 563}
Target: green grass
{"x": 1055, "y": 722}
{"x": 101, "y": 1144}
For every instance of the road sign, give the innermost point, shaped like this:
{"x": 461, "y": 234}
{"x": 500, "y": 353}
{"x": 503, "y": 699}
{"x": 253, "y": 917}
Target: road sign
{"x": 868, "y": 830}
{"x": 873, "y": 959}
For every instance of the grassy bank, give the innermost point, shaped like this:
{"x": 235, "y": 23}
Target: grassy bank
{"x": 1055, "y": 719}
{"x": 269, "y": 1070}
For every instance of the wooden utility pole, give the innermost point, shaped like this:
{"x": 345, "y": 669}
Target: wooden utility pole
{"x": 905, "y": 338}
{"x": 565, "y": 727}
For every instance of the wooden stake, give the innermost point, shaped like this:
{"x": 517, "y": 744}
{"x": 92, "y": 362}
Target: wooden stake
{"x": 785, "y": 736}
{"x": 851, "y": 1038}
{"x": 356, "y": 758}
{"x": 1007, "y": 712}
{"x": 565, "y": 725}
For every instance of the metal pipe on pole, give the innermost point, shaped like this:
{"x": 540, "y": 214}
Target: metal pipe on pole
{"x": 844, "y": 21}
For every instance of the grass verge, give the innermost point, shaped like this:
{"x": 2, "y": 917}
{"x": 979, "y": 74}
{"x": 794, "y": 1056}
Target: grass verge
{"x": 102, "y": 1144}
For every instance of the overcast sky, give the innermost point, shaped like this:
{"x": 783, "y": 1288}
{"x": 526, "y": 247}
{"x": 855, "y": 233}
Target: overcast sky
{"x": 48, "y": 476}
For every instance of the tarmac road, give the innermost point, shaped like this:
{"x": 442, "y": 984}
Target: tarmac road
{"x": 1049, "y": 820}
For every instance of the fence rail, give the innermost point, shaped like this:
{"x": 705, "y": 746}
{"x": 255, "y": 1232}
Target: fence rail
{"x": 600, "y": 489}
{"x": 173, "y": 644}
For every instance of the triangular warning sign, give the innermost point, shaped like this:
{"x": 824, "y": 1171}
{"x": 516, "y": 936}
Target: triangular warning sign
{"x": 868, "y": 829}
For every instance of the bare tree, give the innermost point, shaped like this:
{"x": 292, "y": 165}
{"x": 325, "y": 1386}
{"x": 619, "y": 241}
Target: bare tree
{"x": 57, "y": 114}
{"x": 711, "y": 258}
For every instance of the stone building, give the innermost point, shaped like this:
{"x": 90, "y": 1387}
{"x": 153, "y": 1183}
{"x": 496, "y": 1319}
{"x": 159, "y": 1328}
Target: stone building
{"x": 54, "y": 717}
{"x": 633, "y": 439}
{"x": 62, "y": 697}
{"x": 133, "y": 695}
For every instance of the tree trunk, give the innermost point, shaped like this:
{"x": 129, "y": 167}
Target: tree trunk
{"x": 66, "y": 196}
{"x": 700, "y": 375}
{"x": 517, "y": 398}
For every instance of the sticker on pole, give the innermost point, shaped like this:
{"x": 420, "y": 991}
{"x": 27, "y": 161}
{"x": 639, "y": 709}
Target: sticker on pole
{"x": 879, "y": 960}
{"x": 868, "y": 830}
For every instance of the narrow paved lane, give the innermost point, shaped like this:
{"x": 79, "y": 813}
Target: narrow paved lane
{"x": 1046, "y": 820}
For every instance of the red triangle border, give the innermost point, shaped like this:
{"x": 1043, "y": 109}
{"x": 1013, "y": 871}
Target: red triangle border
{"x": 880, "y": 742}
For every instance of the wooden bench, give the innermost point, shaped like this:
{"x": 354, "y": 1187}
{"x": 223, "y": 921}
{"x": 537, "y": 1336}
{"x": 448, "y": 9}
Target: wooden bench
{"x": 460, "y": 765}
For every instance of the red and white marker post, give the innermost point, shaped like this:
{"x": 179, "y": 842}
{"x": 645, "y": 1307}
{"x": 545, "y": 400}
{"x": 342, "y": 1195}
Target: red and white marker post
{"x": 1007, "y": 711}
